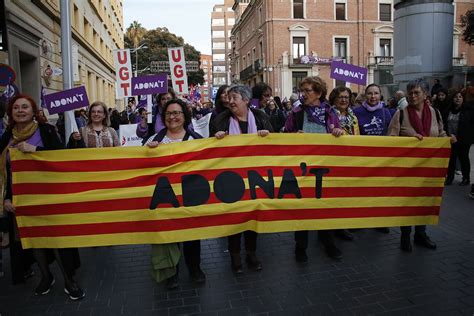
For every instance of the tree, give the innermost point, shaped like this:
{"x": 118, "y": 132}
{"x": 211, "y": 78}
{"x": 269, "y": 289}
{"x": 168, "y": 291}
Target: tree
{"x": 135, "y": 33}
{"x": 158, "y": 41}
{"x": 467, "y": 22}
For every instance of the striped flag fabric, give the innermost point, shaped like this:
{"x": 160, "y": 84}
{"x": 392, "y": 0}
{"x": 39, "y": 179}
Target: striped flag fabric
{"x": 210, "y": 188}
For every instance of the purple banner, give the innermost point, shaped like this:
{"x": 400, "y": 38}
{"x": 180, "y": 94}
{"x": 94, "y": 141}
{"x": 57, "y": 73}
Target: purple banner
{"x": 66, "y": 100}
{"x": 308, "y": 59}
{"x": 349, "y": 73}
{"x": 150, "y": 84}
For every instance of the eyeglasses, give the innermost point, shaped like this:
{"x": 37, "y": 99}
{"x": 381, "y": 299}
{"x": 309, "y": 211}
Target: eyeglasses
{"x": 174, "y": 113}
{"x": 306, "y": 91}
{"x": 343, "y": 97}
{"x": 267, "y": 95}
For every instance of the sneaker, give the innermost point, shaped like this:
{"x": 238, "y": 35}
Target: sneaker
{"x": 75, "y": 292}
{"x": 45, "y": 285}
{"x": 197, "y": 276}
{"x": 172, "y": 282}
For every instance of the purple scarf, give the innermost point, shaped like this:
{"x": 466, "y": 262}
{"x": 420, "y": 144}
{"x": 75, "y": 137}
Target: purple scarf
{"x": 372, "y": 108}
{"x": 234, "y": 128}
{"x": 317, "y": 114}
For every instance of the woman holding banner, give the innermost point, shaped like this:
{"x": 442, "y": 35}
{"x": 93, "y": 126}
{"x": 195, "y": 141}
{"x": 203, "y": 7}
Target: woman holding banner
{"x": 96, "y": 133}
{"x": 176, "y": 117}
{"x": 373, "y": 120}
{"x": 315, "y": 115}
{"x": 28, "y": 132}
{"x": 418, "y": 120}
{"x": 146, "y": 130}
{"x": 241, "y": 119}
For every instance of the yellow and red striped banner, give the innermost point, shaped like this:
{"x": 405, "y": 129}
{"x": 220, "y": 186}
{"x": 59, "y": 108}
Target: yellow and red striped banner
{"x": 283, "y": 182}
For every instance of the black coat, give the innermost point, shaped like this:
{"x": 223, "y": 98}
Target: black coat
{"x": 222, "y": 122}
{"x": 465, "y": 132}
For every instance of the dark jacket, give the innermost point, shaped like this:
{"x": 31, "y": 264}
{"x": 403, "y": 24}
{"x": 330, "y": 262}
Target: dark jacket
{"x": 161, "y": 134}
{"x": 222, "y": 122}
{"x": 465, "y": 132}
{"x": 295, "y": 120}
{"x": 277, "y": 118}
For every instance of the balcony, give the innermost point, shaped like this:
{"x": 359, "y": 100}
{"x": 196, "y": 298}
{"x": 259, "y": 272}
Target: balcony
{"x": 384, "y": 60}
{"x": 258, "y": 65}
{"x": 459, "y": 61}
{"x": 247, "y": 73}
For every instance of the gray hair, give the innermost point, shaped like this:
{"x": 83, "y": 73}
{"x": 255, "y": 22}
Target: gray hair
{"x": 420, "y": 82}
{"x": 241, "y": 89}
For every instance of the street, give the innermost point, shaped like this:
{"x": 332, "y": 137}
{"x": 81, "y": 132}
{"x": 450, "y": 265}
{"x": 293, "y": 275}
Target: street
{"x": 374, "y": 277}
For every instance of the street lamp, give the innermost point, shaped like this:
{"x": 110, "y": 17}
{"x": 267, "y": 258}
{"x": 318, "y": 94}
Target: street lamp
{"x": 135, "y": 50}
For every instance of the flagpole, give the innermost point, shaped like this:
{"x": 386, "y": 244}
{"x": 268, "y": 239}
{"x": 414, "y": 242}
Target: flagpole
{"x": 66, "y": 54}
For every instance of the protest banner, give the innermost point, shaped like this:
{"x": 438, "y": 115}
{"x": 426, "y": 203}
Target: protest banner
{"x": 348, "y": 72}
{"x": 151, "y": 84}
{"x": 123, "y": 70}
{"x": 179, "y": 76}
{"x": 128, "y": 135}
{"x": 211, "y": 188}
{"x": 66, "y": 100}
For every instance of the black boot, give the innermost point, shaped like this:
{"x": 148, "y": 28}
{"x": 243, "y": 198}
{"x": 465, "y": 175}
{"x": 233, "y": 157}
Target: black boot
{"x": 300, "y": 255}
{"x": 253, "y": 262}
{"x": 424, "y": 241}
{"x": 464, "y": 182}
{"x": 344, "y": 234}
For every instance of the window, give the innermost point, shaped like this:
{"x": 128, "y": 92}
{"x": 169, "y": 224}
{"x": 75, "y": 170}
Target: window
{"x": 218, "y": 22}
{"x": 340, "y": 11}
{"x": 217, "y": 34}
{"x": 385, "y": 47}
{"x": 298, "y": 9}
{"x": 230, "y": 21}
{"x": 340, "y": 47}
{"x": 218, "y": 57}
{"x": 219, "y": 68}
{"x": 218, "y": 10}
{"x": 218, "y": 80}
{"x": 385, "y": 11}
{"x": 298, "y": 47}
{"x": 204, "y": 62}
{"x": 297, "y": 77}
{"x": 218, "y": 45}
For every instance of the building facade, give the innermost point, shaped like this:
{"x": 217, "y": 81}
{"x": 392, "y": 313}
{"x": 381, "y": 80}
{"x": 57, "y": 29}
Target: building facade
{"x": 273, "y": 41}
{"x": 222, "y": 21}
{"x": 206, "y": 88}
{"x": 34, "y": 45}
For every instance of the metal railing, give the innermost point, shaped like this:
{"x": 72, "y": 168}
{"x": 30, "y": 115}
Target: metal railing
{"x": 246, "y": 73}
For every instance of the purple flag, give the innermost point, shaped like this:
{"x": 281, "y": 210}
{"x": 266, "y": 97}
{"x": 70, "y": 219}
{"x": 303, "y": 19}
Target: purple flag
{"x": 197, "y": 94}
{"x": 144, "y": 85}
{"x": 66, "y": 100}
{"x": 349, "y": 73}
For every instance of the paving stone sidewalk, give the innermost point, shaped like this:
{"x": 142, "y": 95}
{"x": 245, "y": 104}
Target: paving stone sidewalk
{"x": 374, "y": 277}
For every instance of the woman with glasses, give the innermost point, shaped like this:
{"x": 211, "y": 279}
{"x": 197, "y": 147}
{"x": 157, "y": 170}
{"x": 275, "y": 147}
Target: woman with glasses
{"x": 176, "y": 118}
{"x": 263, "y": 93}
{"x": 144, "y": 129}
{"x": 418, "y": 120}
{"x": 315, "y": 115}
{"x": 340, "y": 98}
{"x": 96, "y": 133}
{"x": 241, "y": 119}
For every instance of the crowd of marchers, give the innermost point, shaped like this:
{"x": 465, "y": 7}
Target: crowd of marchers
{"x": 238, "y": 109}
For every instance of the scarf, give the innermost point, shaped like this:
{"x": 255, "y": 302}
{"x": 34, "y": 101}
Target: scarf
{"x": 17, "y": 137}
{"x": 92, "y": 140}
{"x": 372, "y": 108}
{"x": 422, "y": 126}
{"x": 317, "y": 114}
{"x": 348, "y": 121}
{"x": 234, "y": 128}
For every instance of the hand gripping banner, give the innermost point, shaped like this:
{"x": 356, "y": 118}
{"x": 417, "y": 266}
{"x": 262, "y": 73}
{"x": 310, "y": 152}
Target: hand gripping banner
{"x": 211, "y": 188}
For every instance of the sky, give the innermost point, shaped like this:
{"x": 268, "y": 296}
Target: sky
{"x": 190, "y": 19}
